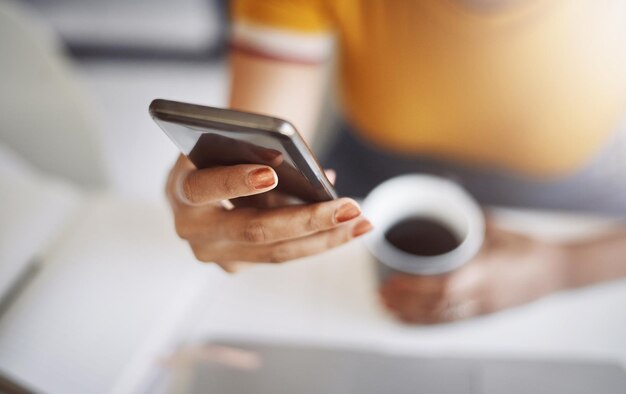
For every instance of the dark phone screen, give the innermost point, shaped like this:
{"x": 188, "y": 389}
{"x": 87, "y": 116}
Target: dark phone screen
{"x": 208, "y": 148}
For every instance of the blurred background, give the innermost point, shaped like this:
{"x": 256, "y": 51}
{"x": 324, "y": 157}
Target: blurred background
{"x": 110, "y": 59}
{"x": 92, "y": 275}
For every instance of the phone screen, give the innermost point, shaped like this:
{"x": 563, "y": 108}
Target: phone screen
{"x": 210, "y": 147}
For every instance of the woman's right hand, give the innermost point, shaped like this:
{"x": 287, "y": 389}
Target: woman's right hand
{"x": 253, "y": 234}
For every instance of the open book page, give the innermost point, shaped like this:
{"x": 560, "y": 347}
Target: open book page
{"x": 112, "y": 288}
{"x": 33, "y": 210}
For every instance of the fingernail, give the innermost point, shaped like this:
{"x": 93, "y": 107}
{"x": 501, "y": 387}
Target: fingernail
{"x": 261, "y": 178}
{"x": 362, "y": 228}
{"x": 347, "y": 211}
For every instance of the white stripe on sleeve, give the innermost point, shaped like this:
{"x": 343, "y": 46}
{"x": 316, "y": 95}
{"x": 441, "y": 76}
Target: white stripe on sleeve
{"x": 283, "y": 44}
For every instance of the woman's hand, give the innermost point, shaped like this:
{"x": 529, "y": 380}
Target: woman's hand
{"x": 511, "y": 269}
{"x": 253, "y": 233}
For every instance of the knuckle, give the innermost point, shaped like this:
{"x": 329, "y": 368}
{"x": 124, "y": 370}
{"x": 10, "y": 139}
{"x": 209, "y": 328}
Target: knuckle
{"x": 183, "y": 229}
{"x": 409, "y": 317}
{"x": 331, "y": 241}
{"x": 487, "y": 305}
{"x": 279, "y": 254}
{"x": 314, "y": 215}
{"x": 418, "y": 316}
{"x": 436, "y": 316}
{"x": 444, "y": 288}
{"x": 335, "y": 239}
{"x": 228, "y": 266}
{"x": 190, "y": 185}
{"x": 439, "y": 306}
{"x": 228, "y": 186}
{"x": 254, "y": 232}
{"x": 201, "y": 255}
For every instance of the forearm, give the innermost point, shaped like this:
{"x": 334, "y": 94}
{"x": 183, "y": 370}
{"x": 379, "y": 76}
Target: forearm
{"x": 596, "y": 260}
{"x": 284, "y": 89}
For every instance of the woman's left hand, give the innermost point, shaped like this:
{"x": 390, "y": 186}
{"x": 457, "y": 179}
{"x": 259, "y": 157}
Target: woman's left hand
{"x": 511, "y": 269}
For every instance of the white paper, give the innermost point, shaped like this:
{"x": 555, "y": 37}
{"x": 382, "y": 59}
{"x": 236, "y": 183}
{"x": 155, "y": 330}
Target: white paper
{"x": 111, "y": 293}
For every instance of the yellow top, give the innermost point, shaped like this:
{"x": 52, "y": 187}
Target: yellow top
{"x": 535, "y": 86}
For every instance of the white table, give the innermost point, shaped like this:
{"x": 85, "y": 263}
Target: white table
{"x": 119, "y": 284}
{"x": 331, "y": 300}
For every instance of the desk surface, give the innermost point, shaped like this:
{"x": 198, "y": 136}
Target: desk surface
{"x": 331, "y": 299}
{"x": 97, "y": 275}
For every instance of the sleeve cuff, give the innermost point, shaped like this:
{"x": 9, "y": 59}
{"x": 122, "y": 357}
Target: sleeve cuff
{"x": 280, "y": 44}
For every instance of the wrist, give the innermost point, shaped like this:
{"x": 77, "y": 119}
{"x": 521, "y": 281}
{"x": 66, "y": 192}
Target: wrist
{"x": 559, "y": 258}
{"x": 570, "y": 266}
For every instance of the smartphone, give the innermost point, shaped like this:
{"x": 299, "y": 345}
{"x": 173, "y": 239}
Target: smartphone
{"x": 212, "y": 137}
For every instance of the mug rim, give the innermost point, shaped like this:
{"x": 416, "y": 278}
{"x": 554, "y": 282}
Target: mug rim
{"x": 400, "y": 260}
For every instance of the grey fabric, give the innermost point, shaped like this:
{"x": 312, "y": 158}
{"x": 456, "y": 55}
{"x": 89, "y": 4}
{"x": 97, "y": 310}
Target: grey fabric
{"x": 599, "y": 187}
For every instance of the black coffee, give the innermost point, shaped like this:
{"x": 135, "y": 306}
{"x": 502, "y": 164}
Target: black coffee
{"x": 422, "y": 237}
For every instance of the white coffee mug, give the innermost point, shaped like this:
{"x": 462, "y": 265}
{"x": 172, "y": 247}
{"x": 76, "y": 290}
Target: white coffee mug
{"x": 428, "y": 197}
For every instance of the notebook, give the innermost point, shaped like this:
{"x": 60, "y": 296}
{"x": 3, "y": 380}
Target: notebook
{"x": 112, "y": 288}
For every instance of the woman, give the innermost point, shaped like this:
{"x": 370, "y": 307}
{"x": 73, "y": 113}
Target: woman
{"x": 520, "y": 100}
